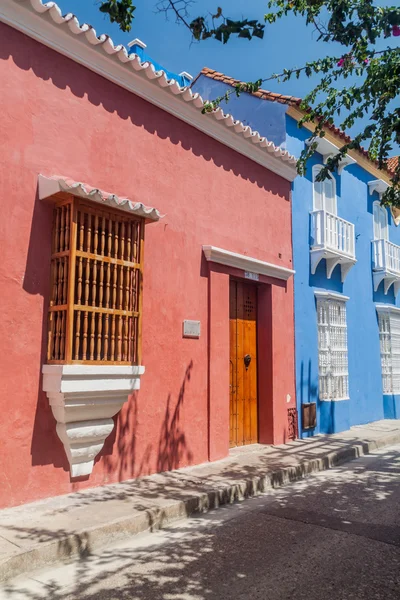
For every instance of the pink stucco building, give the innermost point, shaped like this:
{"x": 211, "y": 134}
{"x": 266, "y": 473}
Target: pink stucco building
{"x": 204, "y": 357}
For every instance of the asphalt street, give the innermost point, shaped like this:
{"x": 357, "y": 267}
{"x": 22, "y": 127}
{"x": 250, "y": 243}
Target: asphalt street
{"x": 335, "y": 535}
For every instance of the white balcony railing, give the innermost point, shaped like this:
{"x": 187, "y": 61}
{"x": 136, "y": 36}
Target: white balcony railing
{"x": 386, "y": 264}
{"x": 330, "y": 231}
{"x": 334, "y": 240}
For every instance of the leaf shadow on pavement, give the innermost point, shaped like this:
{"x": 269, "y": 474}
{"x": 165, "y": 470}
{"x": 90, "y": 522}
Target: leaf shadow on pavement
{"x": 341, "y": 528}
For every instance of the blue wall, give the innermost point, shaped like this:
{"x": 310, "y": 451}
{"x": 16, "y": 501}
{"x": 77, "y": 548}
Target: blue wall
{"x": 182, "y": 80}
{"x": 355, "y": 204}
{"x": 268, "y": 118}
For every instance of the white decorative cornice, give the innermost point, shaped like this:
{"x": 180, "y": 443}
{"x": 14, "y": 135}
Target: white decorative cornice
{"x": 328, "y": 295}
{"x": 137, "y": 42}
{"x": 328, "y": 150}
{"x": 387, "y": 308}
{"x": 378, "y": 185}
{"x": 51, "y": 186}
{"x": 246, "y": 263}
{"x": 64, "y": 34}
{"x": 187, "y": 75}
{"x": 83, "y": 400}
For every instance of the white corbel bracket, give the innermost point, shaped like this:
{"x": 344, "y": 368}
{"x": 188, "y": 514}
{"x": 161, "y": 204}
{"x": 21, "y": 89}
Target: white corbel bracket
{"x": 388, "y": 280}
{"x": 328, "y": 150}
{"x": 379, "y": 186}
{"x": 332, "y": 260}
{"x": 83, "y": 400}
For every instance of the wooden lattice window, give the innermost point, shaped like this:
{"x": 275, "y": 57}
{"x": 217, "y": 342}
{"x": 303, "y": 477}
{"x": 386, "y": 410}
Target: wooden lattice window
{"x": 96, "y": 285}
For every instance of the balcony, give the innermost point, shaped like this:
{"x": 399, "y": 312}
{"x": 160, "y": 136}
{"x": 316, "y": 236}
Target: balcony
{"x": 333, "y": 239}
{"x": 386, "y": 265}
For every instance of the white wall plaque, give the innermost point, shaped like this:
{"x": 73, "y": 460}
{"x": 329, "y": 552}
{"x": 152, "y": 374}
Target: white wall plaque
{"x": 253, "y": 276}
{"x": 191, "y": 329}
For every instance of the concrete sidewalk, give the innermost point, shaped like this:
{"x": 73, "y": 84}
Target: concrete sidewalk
{"x": 66, "y": 527}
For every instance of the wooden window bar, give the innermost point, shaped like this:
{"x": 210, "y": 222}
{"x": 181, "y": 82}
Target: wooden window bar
{"x": 96, "y": 285}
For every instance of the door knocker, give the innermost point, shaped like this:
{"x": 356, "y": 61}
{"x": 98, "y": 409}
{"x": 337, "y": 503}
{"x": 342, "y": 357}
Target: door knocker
{"x": 247, "y": 361}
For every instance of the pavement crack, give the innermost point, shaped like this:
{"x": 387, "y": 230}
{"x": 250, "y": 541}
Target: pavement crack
{"x": 10, "y": 542}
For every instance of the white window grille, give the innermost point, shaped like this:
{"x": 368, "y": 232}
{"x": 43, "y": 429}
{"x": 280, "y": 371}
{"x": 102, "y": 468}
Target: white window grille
{"x": 332, "y": 346}
{"x": 389, "y": 335}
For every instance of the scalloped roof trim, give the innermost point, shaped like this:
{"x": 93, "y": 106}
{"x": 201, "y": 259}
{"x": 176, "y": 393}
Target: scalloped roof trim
{"x": 290, "y": 101}
{"x": 48, "y": 186}
{"x": 104, "y": 42}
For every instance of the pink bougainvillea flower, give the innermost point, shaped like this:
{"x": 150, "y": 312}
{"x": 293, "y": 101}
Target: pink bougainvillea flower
{"x": 396, "y": 30}
{"x": 340, "y": 62}
{"x": 366, "y": 61}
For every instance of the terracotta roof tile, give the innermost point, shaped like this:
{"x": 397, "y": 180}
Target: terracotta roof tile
{"x": 293, "y": 101}
{"x": 392, "y": 163}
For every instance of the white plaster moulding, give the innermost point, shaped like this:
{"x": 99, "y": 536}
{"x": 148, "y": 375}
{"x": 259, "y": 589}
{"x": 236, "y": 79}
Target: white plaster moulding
{"x": 327, "y": 295}
{"x": 334, "y": 399}
{"x": 388, "y": 279}
{"x": 187, "y": 75}
{"x": 387, "y": 308}
{"x": 327, "y": 150}
{"x": 64, "y": 34}
{"x": 83, "y": 400}
{"x": 246, "y": 263}
{"x": 50, "y": 186}
{"x": 137, "y": 42}
{"x": 378, "y": 185}
{"x": 332, "y": 259}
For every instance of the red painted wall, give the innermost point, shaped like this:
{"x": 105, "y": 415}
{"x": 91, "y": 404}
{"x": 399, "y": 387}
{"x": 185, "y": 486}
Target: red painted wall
{"x": 56, "y": 117}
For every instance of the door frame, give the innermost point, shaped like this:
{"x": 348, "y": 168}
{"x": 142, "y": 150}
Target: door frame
{"x": 255, "y": 285}
{"x": 275, "y": 360}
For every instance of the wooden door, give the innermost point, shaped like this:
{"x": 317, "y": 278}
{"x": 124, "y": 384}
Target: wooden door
{"x": 243, "y": 418}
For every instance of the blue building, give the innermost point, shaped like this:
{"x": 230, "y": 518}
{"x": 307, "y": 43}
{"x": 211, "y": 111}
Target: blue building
{"x": 138, "y": 47}
{"x": 346, "y": 250}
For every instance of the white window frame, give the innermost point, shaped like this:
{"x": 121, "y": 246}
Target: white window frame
{"x": 378, "y": 208}
{"x": 389, "y": 341}
{"x": 333, "y": 367}
{"x": 315, "y": 170}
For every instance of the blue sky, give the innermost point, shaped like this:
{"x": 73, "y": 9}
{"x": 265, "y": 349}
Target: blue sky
{"x": 288, "y": 43}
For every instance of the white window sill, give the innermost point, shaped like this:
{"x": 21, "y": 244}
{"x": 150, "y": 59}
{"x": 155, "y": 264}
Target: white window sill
{"x": 334, "y": 399}
{"x": 84, "y": 400}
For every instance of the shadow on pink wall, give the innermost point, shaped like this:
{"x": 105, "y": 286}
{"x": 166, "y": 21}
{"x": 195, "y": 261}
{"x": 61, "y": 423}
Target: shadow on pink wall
{"x": 66, "y": 75}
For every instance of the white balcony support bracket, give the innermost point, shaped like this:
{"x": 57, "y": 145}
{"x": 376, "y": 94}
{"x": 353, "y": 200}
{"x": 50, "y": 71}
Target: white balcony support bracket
{"x": 334, "y": 240}
{"x": 331, "y": 262}
{"x": 386, "y": 265}
{"x": 345, "y": 268}
{"x": 83, "y": 400}
{"x": 388, "y": 280}
{"x": 328, "y": 150}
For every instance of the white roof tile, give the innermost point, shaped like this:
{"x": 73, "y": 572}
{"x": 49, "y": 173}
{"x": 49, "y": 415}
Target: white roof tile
{"x": 48, "y": 186}
{"x": 87, "y": 34}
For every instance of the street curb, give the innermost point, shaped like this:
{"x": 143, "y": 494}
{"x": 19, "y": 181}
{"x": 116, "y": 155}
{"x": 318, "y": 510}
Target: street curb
{"x": 81, "y": 544}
